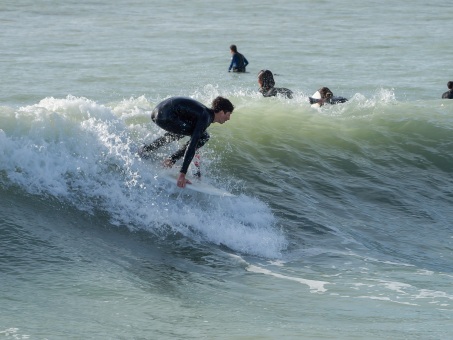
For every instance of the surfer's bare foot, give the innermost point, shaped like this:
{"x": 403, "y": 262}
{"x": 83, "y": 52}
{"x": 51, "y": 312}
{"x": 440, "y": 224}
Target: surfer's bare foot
{"x": 167, "y": 163}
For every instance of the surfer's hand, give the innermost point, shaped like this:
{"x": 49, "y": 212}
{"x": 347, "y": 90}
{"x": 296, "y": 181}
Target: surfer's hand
{"x": 182, "y": 181}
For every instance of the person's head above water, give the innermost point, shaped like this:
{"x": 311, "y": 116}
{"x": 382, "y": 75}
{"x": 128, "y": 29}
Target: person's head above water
{"x": 233, "y": 49}
{"x": 266, "y": 79}
{"x": 325, "y": 92}
{"x": 450, "y": 85}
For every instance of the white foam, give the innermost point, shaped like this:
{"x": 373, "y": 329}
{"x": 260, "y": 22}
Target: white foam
{"x": 315, "y": 286}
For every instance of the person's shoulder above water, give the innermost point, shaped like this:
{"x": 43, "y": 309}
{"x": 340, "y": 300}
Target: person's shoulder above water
{"x": 266, "y": 83}
{"x": 275, "y": 91}
{"x": 449, "y": 93}
{"x": 325, "y": 96}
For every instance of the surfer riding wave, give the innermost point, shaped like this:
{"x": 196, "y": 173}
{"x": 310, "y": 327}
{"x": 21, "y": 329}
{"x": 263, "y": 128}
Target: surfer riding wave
{"x": 180, "y": 117}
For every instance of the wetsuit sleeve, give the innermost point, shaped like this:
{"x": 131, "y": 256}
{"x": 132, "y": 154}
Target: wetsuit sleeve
{"x": 231, "y": 64}
{"x": 286, "y": 92}
{"x": 202, "y": 123}
{"x": 272, "y": 92}
{"x": 337, "y": 100}
{"x": 246, "y": 62}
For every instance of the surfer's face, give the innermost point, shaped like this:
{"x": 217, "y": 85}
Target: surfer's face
{"x": 224, "y": 117}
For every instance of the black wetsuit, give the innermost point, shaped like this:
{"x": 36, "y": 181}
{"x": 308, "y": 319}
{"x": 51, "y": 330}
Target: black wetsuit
{"x": 336, "y": 100}
{"x": 238, "y": 63}
{"x": 331, "y": 100}
{"x": 181, "y": 117}
{"x": 274, "y": 91}
{"x": 448, "y": 95}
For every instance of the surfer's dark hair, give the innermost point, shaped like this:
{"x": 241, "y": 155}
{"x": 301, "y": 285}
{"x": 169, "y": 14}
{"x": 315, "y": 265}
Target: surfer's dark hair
{"x": 266, "y": 79}
{"x": 450, "y": 85}
{"x": 325, "y": 92}
{"x": 234, "y": 48}
{"x": 222, "y": 104}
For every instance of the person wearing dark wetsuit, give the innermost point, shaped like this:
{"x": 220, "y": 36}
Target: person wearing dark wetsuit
{"x": 181, "y": 117}
{"x": 327, "y": 97}
{"x": 266, "y": 82}
{"x": 238, "y": 61}
{"x": 449, "y": 93}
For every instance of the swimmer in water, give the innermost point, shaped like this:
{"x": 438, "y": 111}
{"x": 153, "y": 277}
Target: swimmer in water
{"x": 449, "y": 93}
{"x": 238, "y": 61}
{"x": 267, "y": 86}
{"x": 327, "y": 97}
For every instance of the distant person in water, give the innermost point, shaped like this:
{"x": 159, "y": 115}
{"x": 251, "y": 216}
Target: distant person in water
{"x": 238, "y": 61}
{"x": 267, "y": 86}
{"x": 449, "y": 93}
{"x": 181, "y": 117}
{"x": 325, "y": 96}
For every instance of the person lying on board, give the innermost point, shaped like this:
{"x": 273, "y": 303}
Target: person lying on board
{"x": 181, "y": 117}
{"x": 449, "y": 93}
{"x": 267, "y": 86}
{"x": 327, "y": 97}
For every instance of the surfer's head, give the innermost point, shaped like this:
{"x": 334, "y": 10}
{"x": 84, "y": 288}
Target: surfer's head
{"x": 233, "y": 49}
{"x": 266, "y": 79}
{"x": 222, "y": 108}
{"x": 450, "y": 85}
{"x": 222, "y": 104}
{"x": 325, "y": 93}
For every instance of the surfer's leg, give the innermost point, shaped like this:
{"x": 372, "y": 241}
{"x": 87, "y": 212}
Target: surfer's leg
{"x": 177, "y": 155}
{"x": 197, "y": 163}
{"x": 168, "y": 137}
{"x": 180, "y": 153}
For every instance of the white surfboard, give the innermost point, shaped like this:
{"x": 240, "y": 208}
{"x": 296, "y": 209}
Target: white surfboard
{"x": 316, "y": 95}
{"x": 197, "y": 185}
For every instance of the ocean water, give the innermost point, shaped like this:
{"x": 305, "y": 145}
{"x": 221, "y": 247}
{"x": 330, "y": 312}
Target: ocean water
{"x": 342, "y": 224}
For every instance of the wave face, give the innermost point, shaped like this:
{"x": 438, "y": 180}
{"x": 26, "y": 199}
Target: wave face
{"x": 298, "y": 171}
{"x": 83, "y": 153}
